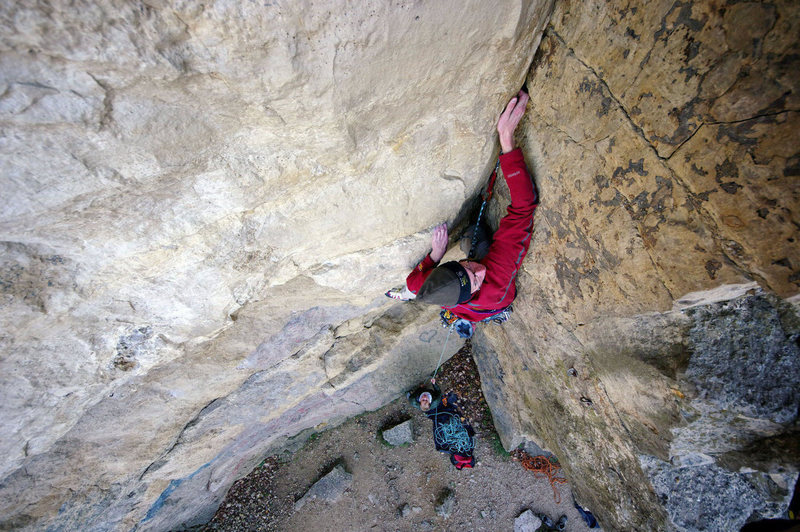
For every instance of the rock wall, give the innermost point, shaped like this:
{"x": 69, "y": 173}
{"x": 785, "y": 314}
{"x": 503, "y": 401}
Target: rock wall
{"x": 202, "y": 206}
{"x": 203, "y": 203}
{"x": 664, "y": 142}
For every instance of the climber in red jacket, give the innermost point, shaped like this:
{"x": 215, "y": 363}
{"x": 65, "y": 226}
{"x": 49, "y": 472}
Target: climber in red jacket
{"x": 481, "y": 290}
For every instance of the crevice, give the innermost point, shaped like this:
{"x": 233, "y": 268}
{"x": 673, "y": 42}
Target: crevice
{"x": 633, "y": 124}
{"x": 687, "y": 139}
{"x": 449, "y": 177}
{"x": 108, "y": 105}
{"x": 192, "y": 422}
{"x": 705, "y": 216}
{"x": 756, "y": 117}
{"x": 37, "y": 85}
{"x": 353, "y": 402}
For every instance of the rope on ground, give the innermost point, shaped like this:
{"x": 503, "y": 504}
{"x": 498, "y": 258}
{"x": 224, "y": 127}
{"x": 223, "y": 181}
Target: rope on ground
{"x": 541, "y": 465}
{"x": 453, "y": 436}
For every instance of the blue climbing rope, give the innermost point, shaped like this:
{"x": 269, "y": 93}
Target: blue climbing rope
{"x": 452, "y": 435}
{"x": 438, "y": 365}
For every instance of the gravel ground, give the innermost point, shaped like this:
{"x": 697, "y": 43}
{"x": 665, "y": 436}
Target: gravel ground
{"x": 396, "y": 488}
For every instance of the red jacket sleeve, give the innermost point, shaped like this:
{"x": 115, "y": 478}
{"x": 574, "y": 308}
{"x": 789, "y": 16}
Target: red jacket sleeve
{"x": 421, "y": 272}
{"x": 513, "y": 236}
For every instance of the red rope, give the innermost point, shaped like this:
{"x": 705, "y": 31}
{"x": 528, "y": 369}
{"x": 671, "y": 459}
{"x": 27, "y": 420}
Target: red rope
{"x": 541, "y": 465}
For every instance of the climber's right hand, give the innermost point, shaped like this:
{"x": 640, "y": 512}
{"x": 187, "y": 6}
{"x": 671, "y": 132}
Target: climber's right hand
{"x": 510, "y": 119}
{"x": 439, "y": 242}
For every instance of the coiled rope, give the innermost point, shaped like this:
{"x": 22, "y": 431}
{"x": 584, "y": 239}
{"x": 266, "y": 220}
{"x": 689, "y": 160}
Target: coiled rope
{"x": 453, "y": 435}
{"x": 541, "y": 465}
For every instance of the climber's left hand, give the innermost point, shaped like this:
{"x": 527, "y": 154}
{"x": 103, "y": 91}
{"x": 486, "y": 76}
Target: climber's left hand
{"x": 439, "y": 242}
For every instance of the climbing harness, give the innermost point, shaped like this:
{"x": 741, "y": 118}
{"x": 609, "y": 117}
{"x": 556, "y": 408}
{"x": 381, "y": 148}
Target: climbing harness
{"x": 465, "y": 328}
{"x": 501, "y": 317}
{"x": 448, "y": 318}
{"x": 487, "y": 195}
{"x": 541, "y": 465}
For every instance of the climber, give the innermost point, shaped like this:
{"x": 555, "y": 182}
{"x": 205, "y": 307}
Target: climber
{"x": 425, "y": 397}
{"x": 471, "y": 291}
{"x": 450, "y": 433}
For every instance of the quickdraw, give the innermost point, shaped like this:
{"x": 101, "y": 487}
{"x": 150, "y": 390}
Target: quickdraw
{"x": 487, "y": 195}
{"x": 448, "y": 318}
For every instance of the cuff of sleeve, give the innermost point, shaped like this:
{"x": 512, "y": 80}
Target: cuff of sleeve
{"x": 512, "y": 156}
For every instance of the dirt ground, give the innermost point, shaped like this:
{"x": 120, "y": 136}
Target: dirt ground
{"x": 396, "y": 488}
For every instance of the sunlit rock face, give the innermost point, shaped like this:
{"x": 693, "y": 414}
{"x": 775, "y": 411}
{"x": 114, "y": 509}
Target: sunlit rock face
{"x": 663, "y": 137}
{"x": 202, "y": 205}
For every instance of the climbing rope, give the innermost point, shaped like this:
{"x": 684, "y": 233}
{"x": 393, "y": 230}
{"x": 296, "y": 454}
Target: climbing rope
{"x": 452, "y": 435}
{"x": 439, "y": 364}
{"x": 541, "y": 465}
{"x": 486, "y": 197}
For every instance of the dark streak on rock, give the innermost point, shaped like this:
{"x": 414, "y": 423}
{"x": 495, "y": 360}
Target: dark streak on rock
{"x": 712, "y": 267}
{"x": 730, "y": 187}
{"x": 689, "y": 71}
{"x": 727, "y": 169}
{"x": 637, "y": 167}
{"x": 792, "y": 168}
{"x": 783, "y": 262}
{"x": 688, "y": 125}
{"x": 593, "y": 88}
{"x": 692, "y": 49}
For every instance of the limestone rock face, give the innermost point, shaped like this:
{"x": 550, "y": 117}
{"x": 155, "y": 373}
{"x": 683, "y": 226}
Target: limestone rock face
{"x": 202, "y": 206}
{"x": 204, "y": 202}
{"x": 663, "y": 139}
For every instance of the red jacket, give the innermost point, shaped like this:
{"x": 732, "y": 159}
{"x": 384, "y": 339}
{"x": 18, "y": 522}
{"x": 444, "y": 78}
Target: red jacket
{"x": 508, "y": 249}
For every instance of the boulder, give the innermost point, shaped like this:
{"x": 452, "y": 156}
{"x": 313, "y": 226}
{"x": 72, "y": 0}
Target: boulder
{"x": 527, "y": 522}
{"x": 401, "y": 434}
{"x": 329, "y": 488}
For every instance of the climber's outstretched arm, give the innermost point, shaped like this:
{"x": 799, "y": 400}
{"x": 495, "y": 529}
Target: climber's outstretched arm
{"x": 424, "y": 268}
